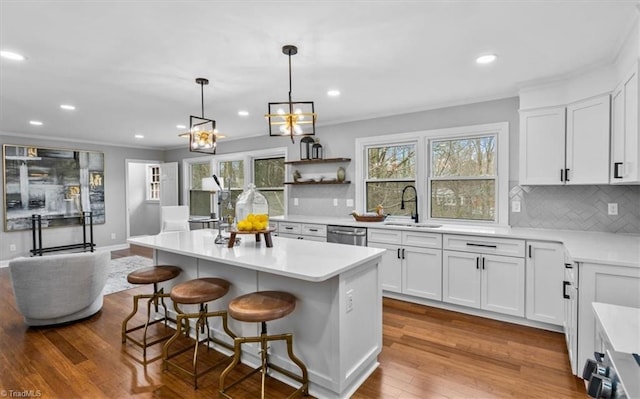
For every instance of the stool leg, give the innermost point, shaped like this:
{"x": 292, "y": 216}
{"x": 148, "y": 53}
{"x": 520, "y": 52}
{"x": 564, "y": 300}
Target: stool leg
{"x": 237, "y": 352}
{"x": 165, "y": 348}
{"x": 129, "y": 317}
{"x": 303, "y": 368}
{"x": 263, "y": 356}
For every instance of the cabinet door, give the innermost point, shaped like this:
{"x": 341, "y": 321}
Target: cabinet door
{"x": 587, "y": 160}
{"x": 631, "y": 134}
{"x": 422, "y": 272}
{"x": 461, "y": 278}
{"x": 542, "y": 146}
{"x": 390, "y": 269}
{"x": 617, "y": 135}
{"x": 545, "y": 273}
{"x": 502, "y": 284}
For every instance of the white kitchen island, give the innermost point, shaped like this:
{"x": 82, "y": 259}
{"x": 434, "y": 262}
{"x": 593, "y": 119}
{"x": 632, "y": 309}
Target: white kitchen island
{"x": 337, "y": 324}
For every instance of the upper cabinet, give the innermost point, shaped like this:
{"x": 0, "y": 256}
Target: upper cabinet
{"x": 566, "y": 145}
{"x": 625, "y": 145}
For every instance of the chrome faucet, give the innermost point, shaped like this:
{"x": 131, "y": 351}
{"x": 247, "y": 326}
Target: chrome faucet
{"x": 415, "y": 200}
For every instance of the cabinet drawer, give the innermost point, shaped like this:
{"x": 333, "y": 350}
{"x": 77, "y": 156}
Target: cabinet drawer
{"x": 484, "y": 245}
{"x": 291, "y": 228}
{"x": 418, "y": 239}
{"x": 318, "y": 230}
{"x": 384, "y": 236}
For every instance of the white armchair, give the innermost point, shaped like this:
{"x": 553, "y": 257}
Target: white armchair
{"x": 174, "y": 218}
{"x": 60, "y": 288}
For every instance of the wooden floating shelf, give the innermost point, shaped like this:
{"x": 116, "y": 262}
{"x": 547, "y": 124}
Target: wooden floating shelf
{"x": 295, "y": 183}
{"x": 312, "y": 161}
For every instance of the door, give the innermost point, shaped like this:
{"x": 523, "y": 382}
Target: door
{"x": 503, "y": 284}
{"x": 390, "y": 268}
{"x": 587, "y": 140}
{"x": 542, "y": 146}
{"x": 545, "y": 273}
{"x": 169, "y": 184}
{"x": 461, "y": 278}
{"x": 422, "y": 272}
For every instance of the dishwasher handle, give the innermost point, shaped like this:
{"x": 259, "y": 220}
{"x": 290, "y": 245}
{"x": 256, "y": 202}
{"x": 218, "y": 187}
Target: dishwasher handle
{"x": 348, "y": 233}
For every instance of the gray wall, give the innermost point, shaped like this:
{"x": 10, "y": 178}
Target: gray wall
{"x": 144, "y": 217}
{"x": 114, "y": 180}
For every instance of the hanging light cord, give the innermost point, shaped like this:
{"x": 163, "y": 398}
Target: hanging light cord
{"x": 290, "y": 102}
{"x": 202, "y": 98}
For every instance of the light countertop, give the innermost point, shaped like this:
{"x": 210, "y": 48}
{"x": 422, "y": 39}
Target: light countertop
{"x": 300, "y": 259}
{"x": 621, "y": 326}
{"x": 590, "y": 247}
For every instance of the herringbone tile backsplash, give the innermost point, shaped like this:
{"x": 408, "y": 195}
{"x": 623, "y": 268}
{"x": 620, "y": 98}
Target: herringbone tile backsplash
{"x": 576, "y": 207}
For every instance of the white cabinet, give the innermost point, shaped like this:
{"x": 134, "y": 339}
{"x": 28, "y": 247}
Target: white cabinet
{"x": 302, "y": 231}
{"x": 587, "y": 157}
{"x": 544, "y": 277}
{"x": 542, "y": 142}
{"x": 475, "y": 276}
{"x": 412, "y": 262}
{"x": 625, "y": 140}
{"x": 566, "y": 145}
{"x": 616, "y": 285}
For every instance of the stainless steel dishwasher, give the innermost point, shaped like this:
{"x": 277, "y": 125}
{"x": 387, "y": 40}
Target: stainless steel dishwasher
{"x": 347, "y": 235}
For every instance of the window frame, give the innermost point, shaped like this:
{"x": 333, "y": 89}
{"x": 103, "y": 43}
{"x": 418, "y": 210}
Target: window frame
{"x": 245, "y": 156}
{"x": 149, "y": 175}
{"x": 423, "y": 139}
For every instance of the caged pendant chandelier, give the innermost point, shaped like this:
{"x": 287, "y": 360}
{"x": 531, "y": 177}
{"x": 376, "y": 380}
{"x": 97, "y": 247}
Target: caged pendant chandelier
{"x": 291, "y": 118}
{"x": 202, "y": 135}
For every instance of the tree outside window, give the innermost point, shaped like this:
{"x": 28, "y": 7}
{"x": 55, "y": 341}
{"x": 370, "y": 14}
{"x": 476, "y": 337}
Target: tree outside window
{"x": 268, "y": 175}
{"x": 199, "y": 200}
{"x": 390, "y": 169}
{"x": 463, "y": 178}
{"x": 232, "y": 175}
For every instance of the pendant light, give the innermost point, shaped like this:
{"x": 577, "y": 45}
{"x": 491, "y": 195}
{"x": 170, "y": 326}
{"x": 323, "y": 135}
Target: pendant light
{"x": 202, "y": 137}
{"x": 291, "y": 118}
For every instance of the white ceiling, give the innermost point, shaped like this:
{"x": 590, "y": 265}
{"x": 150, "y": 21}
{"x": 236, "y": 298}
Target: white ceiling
{"x": 130, "y": 66}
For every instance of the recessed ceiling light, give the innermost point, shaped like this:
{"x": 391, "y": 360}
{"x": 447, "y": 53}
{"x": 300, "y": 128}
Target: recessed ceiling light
{"x": 36, "y": 123}
{"x": 10, "y": 55}
{"x": 181, "y": 126}
{"x": 333, "y": 93}
{"x": 139, "y": 136}
{"x": 243, "y": 113}
{"x": 67, "y": 107}
{"x": 486, "y": 59}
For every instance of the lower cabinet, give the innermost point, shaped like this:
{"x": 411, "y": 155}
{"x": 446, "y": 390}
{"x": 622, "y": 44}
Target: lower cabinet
{"x": 481, "y": 276}
{"x": 409, "y": 269}
{"x": 545, "y": 275}
{"x": 488, "y": 282}
{"x": 302, "y": 231}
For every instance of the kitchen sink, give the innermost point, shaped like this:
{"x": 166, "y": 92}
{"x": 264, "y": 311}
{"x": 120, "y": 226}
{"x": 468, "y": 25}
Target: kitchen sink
{"x": 414, "y": 225}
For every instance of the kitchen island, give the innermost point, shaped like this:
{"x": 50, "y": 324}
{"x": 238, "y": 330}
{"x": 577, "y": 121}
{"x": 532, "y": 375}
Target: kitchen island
{"x": 337, "y": 324}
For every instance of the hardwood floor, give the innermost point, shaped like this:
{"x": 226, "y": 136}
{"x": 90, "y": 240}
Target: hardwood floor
{"x": 428, "y": 353}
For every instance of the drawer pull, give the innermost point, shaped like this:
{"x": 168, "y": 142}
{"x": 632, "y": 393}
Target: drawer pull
{"x": 477, "y": 263}
{"x": 483, "y": 263}
{"x": 399, "y": 253}
{"x": 568, "y": 266}
{"x": 288, "y": 228}
{"x": 471, "y": 244}
{"x": 313, "y": 230}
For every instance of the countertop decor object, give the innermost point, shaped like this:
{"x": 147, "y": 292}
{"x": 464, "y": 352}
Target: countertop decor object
{"x": 367, "y": 218}
{"x": 291, "y": 118}
{"x": 305, "y": 147}
{"x": 316, "y": 150}
{"x": 266, "y": 233}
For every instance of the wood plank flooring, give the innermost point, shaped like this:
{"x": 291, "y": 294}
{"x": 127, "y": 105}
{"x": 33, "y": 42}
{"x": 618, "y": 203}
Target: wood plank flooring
{"x": 428, "y": 353}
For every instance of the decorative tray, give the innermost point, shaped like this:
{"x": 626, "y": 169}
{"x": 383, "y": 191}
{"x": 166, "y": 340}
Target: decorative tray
{"x": 362, "y": 218}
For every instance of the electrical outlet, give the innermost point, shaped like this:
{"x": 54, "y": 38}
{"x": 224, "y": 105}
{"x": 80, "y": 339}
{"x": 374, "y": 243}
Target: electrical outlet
{"x": 335, "y": 202}
{"x": 612, "y": 209}
{"x": 350, "y": 203}
{"x": 113, "y": 236}
{"x": 12, "y": 247}
{"x": 515, "y": 206}
{"x": 349, "y": 300}
{"x": 296, "y": 202}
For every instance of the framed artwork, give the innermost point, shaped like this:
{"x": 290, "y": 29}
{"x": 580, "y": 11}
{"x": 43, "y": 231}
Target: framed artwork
{"x": 58, "y": 184}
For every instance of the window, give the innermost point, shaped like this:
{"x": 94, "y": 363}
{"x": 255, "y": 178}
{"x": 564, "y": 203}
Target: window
{"x": 268, "y": 176}
{"x": 389, "y": 170}
{"x": 153, "y": 182}
{"x": 461, "y": 174}
{"x": 199, "y": 199}
{"x": 462, "y": 181}
{"x": 232, "y": 175}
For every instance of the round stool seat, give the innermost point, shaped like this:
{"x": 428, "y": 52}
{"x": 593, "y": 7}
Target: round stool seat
{"x": 262, "y": 306}
{"x": 200, "y": 290}
{"x": 153, "y": 274}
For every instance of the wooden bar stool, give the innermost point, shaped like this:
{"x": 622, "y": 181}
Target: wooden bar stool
{"x": 149, "y": 275}
{"x": 261, "y": 307}
{"x": 197, "y": 292}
